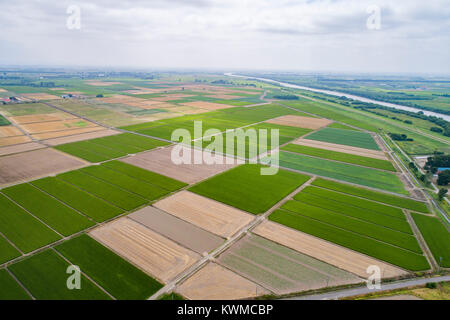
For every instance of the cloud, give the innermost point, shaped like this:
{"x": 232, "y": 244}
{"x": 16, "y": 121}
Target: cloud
{"x": 260, "y": 34}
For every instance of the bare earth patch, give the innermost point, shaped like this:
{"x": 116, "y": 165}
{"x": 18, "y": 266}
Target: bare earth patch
{"x": 325, "y": 251}
{"x": 205, "y": 213}
{"x": 342, "y": 148}
{"x": 8, "y": 141}
{"x": 80, "y": 137}
{"x": 160, "y": 161}
{"x": 10, "y": 131}
{"x": 39, "y": 96}
{"x": 34, "y": 164}
{"x": 41, "y": 127}
{"x": 151, "y": 252}
{"x": 180, "y": 231}
{"x": 301, "y": 122}
{"x": 20, "y": 148}
{"x": 64, "y": 133}
{"x": 42, "y": 117}
{"x": 214, "y": 282}
{"x": 207, "y": 105}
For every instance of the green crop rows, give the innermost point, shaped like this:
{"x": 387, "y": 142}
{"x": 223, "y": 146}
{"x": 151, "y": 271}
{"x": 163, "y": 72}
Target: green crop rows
{"x": 372, "y": 195}
{"x": 340, "y": 156}
{"x": 345, "y": 137}
{"x": 245, "y": 188}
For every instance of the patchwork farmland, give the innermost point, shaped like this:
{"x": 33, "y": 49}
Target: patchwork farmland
{"x": 92, "y": 182}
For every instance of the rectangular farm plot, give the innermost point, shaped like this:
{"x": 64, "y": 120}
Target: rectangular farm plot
{"x": 245, "y": 188}
{"x": 325, "y": 251}
{"x": 214, "y": 282}
{"x": 21, "y": 228}
{"x": 389, "y": 199}
{"x": 7, "y": 150}
{"x": 35, "y": 164}
{"x": 205, "y": 213}
{"x": 9, "y": 141}
{"x": 176, "y": 229}
{"x": 116, "y": 275}
{"x": 160, "y": 162}
{"x": 45, "y": 117}
{"x": 10, "y": 289}
{"x": 402, "y": 258}
{"x": 436, "y": 236}
{"x": 80, "y": 137}
{"x": 352, "y": 224}
{"x": 341, "y": 157}
{"x": 342, "y": 171}
{"x": 115, "y": 195}
{"x": 45, "y": 276}
{"x": 84, "y": 202}
{"x": 345, "y": 137}
{"x": 301, "y": 122}
{"x": 151, "y": 252}
{"x": 106, "y": 148}
{"x": 10, "y": 131}
{"x": 42, "y": 127}
{"x": 280, "y": 269}
{"x": 207, "y": 105}
{"x": 51, "y": 211}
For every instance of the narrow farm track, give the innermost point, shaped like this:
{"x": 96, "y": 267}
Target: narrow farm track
{"x": 335, "y": 295}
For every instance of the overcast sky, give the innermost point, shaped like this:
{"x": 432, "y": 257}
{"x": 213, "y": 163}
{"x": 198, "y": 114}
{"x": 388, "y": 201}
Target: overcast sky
{"x": 293, "y": 35}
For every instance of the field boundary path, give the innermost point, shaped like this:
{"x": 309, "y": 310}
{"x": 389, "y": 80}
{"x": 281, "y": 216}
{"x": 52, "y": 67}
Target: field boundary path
{"x": 364, "y": 290}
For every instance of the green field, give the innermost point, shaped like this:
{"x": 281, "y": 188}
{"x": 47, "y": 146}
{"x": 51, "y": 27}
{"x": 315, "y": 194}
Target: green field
{"x": 348, "y": 223}
{"x": 340, "y": 156}
{"x": 436, "y": 236}
{"x": 115, "y": 195}
{"x": 345, "y": 137}
{"x": 4, "y": 121}
{"x": 351, "y": 210}
{"x": 94, "y": 207}
{"x": 245, "y": 188}
{"x": 106, "y": 148}
{"x": 383, "y": 251}
{"x": 22, "y": 229}
{"x": 117, "y": 276}
{"x": 24, "y": 109}
{"x": 58, "y": 216}
{"x": 44, "y": 275}
{"x": 10, "y": 289}
{"x": 341, "y": 171}
{"x": 372, "y": 195}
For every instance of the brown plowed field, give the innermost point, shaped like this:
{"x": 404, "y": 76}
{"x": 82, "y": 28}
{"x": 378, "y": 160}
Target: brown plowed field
{"x": 342, "y": 148}
{"x": 332, "y": 254}
{"x": 41, "y": 127}
{"x": 214, "y": 282}
{"x": 42, "y": 117}
{"x": 8, "y": 141}
{"x": 301, "y": 122}
{"x": 180, "y": 231}
{"x": 81, "y": 137}
{"x": 205, "y": 213}
{"x": 20, "y": 148}
{"x": 151, "y": 252}
{"x": 34, "y": 164}
{"x": 160, "y": 161}
{"x": 207, "y": 105}
{"x": 63, "y": 133}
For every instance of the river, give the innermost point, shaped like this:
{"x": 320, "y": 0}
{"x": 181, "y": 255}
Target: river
{"x": 350, "y": 96}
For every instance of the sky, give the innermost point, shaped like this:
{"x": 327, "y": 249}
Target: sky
{"x": 361, "y": 36}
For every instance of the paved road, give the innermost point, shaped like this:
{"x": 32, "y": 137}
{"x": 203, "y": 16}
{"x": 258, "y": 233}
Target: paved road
{"x": 364, "y": 290}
